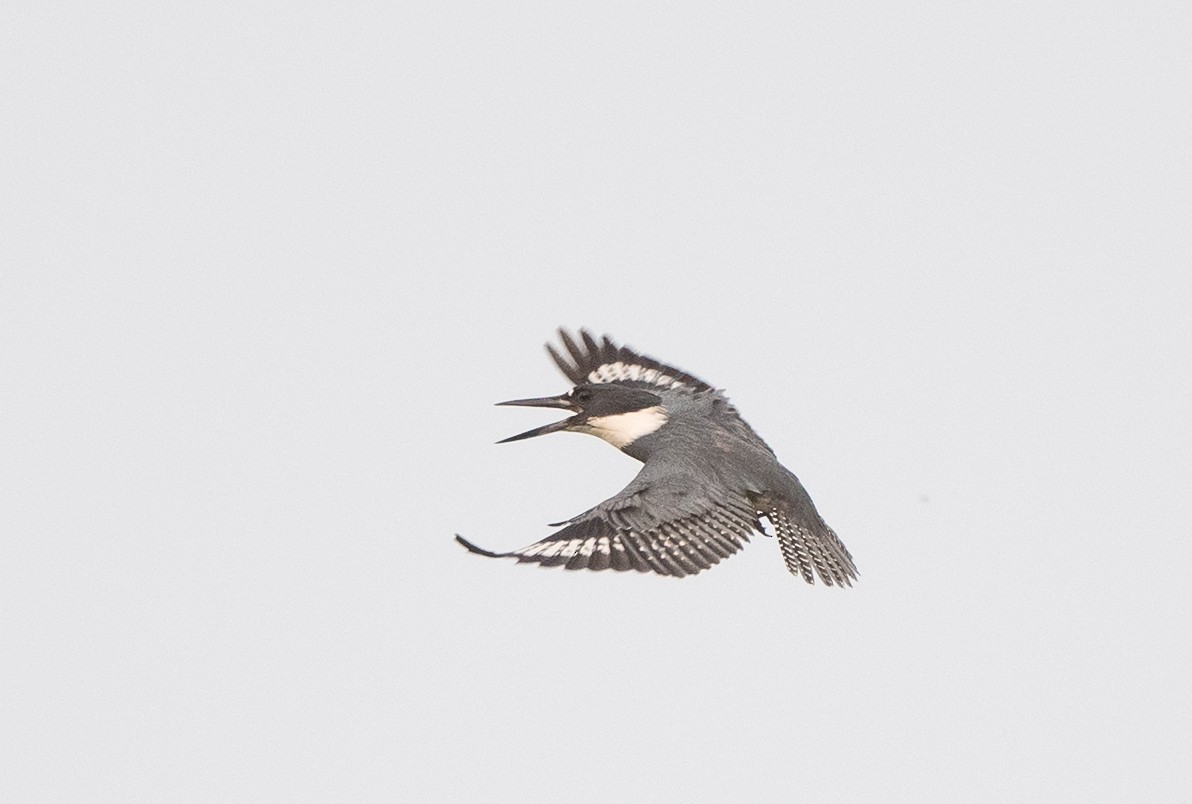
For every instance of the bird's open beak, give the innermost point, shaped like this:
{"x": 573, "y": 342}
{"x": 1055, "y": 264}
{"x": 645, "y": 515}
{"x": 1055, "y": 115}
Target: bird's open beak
{"x": 541, "y": 402}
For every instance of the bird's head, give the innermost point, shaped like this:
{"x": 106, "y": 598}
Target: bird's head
{"x": 620, "y": 414}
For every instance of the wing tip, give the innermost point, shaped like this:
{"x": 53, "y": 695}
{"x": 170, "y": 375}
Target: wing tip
{"x": 480, "y": 551}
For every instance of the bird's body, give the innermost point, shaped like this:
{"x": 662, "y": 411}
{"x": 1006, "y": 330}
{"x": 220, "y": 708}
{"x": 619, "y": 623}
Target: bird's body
{"x": 706, "y": 482}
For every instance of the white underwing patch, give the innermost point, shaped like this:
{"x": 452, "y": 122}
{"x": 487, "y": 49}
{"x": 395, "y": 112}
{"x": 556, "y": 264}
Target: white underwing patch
{"x": 613, "y": 372}
{"x": 567, "y": 548}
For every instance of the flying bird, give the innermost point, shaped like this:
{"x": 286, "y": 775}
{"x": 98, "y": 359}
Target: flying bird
{"x": 706, "y": 483}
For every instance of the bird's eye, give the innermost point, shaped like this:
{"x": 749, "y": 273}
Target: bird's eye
{"x": 582, "y": 396}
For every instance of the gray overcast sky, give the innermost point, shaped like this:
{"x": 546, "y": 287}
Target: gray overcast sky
{"x": 266, "y": 268}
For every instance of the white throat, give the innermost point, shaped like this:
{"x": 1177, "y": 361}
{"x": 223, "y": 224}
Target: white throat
{"x": 622, "y": 429}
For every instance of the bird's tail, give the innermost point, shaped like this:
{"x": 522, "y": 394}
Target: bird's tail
{"x": 811, "y": 548}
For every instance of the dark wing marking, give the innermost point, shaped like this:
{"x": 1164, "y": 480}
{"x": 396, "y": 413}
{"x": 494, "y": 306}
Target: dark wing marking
{"x": 810, "y": 550}
{"x": 592, "y": 361}
{"x": 645, "y": 528}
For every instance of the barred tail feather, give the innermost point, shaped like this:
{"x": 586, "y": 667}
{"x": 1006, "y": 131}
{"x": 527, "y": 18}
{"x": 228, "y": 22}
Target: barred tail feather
{"x": 813, "y": 550}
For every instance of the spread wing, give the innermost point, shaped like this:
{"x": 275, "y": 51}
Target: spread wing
{"x": 655, "y": 525}
{"x": 589, "y": 361}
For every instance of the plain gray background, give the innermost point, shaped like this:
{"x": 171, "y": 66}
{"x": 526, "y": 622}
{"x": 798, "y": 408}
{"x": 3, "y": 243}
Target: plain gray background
{"x": 266, "y": 267}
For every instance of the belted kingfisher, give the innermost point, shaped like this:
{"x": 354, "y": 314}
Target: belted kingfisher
{"x": 706, "y": 482}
